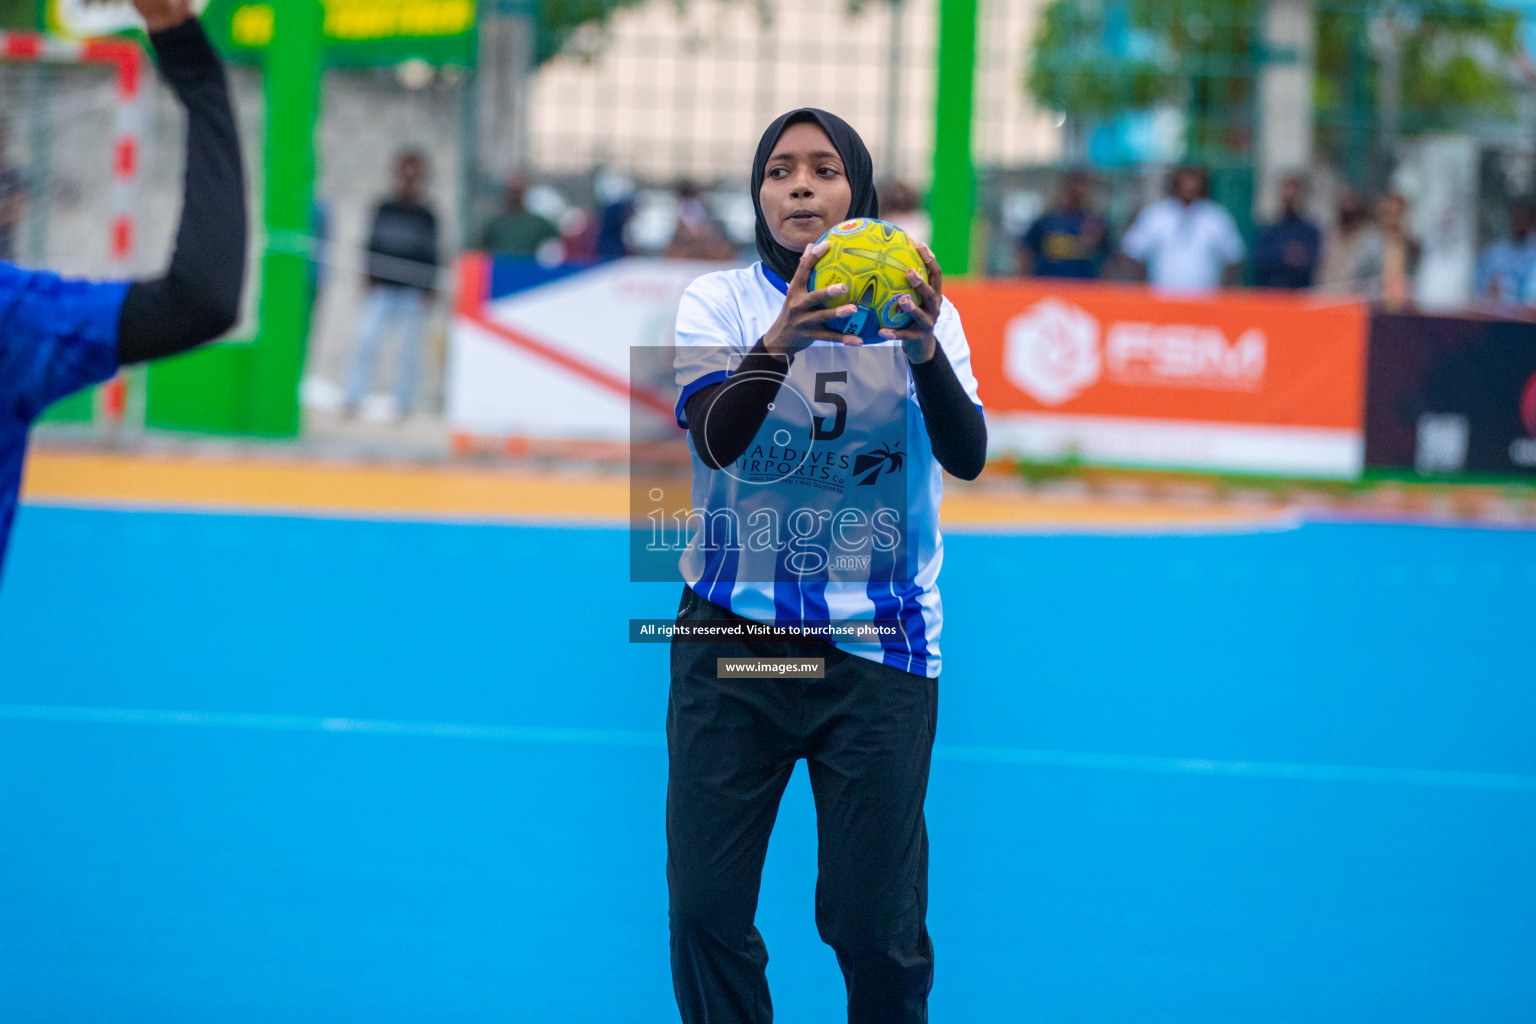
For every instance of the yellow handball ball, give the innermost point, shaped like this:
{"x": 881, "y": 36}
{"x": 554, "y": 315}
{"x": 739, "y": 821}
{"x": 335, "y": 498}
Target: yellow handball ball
{"x": 872, "y": 258}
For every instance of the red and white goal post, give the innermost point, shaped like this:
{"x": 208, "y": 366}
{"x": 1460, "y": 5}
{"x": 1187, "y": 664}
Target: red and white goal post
{"x": 131, "y": 97}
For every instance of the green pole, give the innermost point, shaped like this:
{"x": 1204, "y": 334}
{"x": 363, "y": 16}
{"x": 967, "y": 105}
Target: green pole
{"x": 292, "y": 69}
{"x": 952, "y": 196}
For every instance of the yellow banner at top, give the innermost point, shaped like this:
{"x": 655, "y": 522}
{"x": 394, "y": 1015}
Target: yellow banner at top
{"x": 362, "y": 20}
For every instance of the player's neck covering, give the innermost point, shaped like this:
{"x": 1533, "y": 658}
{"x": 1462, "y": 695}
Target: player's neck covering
{"x": 856, "y": 164}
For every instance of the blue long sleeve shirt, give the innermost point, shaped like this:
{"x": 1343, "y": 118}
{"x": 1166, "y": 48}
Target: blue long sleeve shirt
{"x": 59, "y": 336}
{"x": 56, "y": 337}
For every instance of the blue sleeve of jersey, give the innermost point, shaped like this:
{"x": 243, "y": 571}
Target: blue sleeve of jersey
{"x": 56, "y": 337}
{"x": 693, "y": 388}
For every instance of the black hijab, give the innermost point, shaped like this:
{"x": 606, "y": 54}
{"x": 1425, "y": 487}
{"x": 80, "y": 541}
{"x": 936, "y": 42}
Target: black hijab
{"x": 856, "y": 164}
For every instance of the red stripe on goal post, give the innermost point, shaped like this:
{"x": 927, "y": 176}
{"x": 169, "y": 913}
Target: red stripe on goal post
{"x": 19, "y": 46}
{"x": 125, "y": 157}
{"x": 122, "y": 236}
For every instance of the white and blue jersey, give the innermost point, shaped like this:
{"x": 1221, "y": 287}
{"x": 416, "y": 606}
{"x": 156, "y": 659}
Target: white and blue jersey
{"x": 56, "y": 337}
{"x": 835, "y": 504}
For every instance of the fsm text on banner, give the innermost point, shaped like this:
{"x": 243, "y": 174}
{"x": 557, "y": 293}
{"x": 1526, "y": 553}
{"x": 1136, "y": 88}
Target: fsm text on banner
{"x": 1116, "y": 375}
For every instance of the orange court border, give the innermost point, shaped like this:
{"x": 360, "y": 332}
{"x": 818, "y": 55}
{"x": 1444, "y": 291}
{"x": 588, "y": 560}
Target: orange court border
{"x": 454, "y": 493}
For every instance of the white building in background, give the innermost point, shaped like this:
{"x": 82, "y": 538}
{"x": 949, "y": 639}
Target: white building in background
{"x": 666, "y": 90}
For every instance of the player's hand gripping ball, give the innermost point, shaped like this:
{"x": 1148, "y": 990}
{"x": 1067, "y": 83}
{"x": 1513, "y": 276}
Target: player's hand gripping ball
{"x": 872, "y": 258}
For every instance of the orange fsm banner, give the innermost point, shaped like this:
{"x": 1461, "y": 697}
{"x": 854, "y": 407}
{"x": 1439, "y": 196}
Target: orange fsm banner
{"x": 1253, "y": 382}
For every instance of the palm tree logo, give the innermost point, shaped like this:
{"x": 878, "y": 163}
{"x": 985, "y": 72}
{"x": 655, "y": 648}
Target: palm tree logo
{"x": 887, "y": 458}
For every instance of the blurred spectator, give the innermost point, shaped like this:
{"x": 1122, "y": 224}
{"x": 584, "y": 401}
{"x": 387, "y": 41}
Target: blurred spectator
{"x": 13, "y": 195}
{"x": 1341, "y": 250}
{"x": 612, "y": 221}
{"x": 1068, "y": 240}
{"x": 613, "y": 194}
{"x": 517, "y": 230}
{"x": 1286, "y": 253}
{"x": 1388, "y": 255}
{"x": 1505, "y": 265}
{"x": 901, "y": 205}
{"x": 402, "y": 275}
{"x": 698, "y": 235}
{"x": 1185, "y": 241}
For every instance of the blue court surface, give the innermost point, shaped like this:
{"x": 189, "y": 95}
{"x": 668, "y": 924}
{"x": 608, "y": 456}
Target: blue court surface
{"x": 290, "y": 770}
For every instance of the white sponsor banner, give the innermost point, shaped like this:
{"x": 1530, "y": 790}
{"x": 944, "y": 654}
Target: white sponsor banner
{"x": 553, "y": 361}
{"x": 1182, "y": 444}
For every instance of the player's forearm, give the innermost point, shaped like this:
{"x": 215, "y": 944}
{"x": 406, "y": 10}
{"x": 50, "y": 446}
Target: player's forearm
{"x": 956, "y": 429}
{"x": 724, "y": 420}
{"x": 198, "y": 297}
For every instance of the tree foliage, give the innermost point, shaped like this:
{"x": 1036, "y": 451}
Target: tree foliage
{"x": 1099, "y": 58}
{"x": 559, "y": 20}
{"x": 1456, "y": 56}
{"x": 18, "y": 14}
{"x": 1073, "y": 71}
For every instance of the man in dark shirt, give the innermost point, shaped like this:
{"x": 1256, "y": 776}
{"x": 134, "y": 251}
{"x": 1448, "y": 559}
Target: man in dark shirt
{"x": 402, "y": 276}
{"x": 1068, "y": 240}
{"x": 1286, "y": 253}
{"x": 517, "y": 230}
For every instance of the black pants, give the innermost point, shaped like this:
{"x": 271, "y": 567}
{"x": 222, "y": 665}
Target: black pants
{"x": 866, "y": 732}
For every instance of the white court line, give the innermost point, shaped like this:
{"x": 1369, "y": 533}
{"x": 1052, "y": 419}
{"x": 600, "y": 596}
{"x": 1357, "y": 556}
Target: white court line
{"x": 306, "y": 723}
{"x": 643, "y": 738}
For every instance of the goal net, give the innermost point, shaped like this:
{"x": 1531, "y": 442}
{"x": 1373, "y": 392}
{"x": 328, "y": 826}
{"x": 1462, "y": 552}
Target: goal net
{"x": 73, "y": 121}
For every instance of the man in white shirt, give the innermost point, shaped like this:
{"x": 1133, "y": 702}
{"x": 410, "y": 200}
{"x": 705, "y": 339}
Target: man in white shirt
{"x": 1186, "y": 241}
{"x": 1506, "y": 264}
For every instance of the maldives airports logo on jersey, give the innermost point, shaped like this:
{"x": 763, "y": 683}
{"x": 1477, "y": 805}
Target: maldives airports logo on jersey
{"x": 783, "y": 460}
{"x": 1054, "y": 351}
{"x": 780, "y": 463}
{"x": 870, "y": 464}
